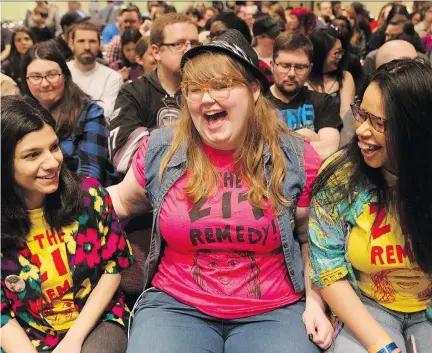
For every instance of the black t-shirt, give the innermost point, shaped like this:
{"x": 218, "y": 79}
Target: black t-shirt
{"x": 6, "y": 37}
{"x": 309, "y": 109}
{"x": 41, "y": 34}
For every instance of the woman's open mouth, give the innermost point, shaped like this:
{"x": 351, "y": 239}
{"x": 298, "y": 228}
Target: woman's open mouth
{"x": 215, "y": 119}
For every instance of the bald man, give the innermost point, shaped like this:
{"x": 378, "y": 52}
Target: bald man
{"x": 391, "y": 50}
{"x": 395, "y": 49}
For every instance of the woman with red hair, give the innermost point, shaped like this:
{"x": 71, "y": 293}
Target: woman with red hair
{"x": 301, "y": 20}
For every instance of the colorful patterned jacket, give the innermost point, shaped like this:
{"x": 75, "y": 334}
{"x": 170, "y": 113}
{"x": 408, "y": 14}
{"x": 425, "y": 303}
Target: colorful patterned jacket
{"x": 99, "y": 247}
{"x": 329, "y": 231}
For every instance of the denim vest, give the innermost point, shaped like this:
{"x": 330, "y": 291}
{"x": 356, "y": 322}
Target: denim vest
{"x": 159, "y": 142}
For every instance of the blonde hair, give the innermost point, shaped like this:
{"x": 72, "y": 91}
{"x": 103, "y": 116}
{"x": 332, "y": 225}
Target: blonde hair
{"x": 263, "y": 130}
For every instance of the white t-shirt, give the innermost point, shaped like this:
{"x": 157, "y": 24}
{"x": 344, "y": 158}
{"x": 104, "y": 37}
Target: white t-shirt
{"x": 101, "y": 83}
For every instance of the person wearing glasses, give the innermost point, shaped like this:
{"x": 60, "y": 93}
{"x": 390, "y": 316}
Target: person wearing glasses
{"x": 62, "y": 246}
{"x": 313, "y": 115}
{"x": 229, "y": 189}
{"x": 153, "y": 100}
{"x": 81, "y": 125}
{"x": 327, "y": 74}
{"x": 369, "y": 229}
{"x": 39, "y": 28}
{"x": 130, "y": 17}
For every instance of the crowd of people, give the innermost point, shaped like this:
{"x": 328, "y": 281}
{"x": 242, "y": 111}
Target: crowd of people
{"x": 135, "y": 147}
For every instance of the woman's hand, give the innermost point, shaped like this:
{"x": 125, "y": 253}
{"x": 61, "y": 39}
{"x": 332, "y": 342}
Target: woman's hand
{"x": 124, "y": 71}
{"x": 318, "y": 325}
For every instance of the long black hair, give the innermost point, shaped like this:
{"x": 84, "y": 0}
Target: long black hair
{"x": 323, "y": 41}
{"x": 14, "y": 58}
{"x": 406, "y": 87}
{"x": 21, "y": 116}
{"x": 68, "y": 109}
{"x": 131, "y": 35}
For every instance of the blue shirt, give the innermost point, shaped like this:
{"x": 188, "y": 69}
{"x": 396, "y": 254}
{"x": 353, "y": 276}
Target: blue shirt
{"x": 109, "y": 32}
{"x": 86, "y": 151}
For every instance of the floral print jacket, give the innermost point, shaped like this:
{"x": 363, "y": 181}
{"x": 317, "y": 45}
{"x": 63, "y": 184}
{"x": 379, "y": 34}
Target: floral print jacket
{"x": 99, "y": 247}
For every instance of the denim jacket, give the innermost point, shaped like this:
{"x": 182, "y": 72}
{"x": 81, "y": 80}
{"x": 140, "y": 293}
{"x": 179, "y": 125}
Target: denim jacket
{"x": 159, "y": 142}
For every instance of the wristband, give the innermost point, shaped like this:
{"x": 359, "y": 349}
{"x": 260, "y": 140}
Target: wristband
{"x": 387, "y": 349}
{"x": 383, "y": 343}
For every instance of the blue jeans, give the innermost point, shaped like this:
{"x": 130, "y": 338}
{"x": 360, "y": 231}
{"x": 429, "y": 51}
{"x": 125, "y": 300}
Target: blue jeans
{"x": 162, "y": 324}
{"x": 399, "y": 326}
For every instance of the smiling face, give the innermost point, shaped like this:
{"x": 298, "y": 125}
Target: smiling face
{"x": 334, "y": 57}
{"x": 37, "y": 163}
{"x": 371, "y": 142}
{"x": 222, "y": 124}
{"x": 47, "y": 93}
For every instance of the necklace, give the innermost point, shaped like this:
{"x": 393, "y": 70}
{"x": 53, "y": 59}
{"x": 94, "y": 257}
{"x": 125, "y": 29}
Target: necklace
{"x": 322, "y": 87}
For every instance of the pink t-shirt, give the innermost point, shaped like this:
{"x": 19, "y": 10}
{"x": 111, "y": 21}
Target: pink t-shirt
{"x": 222, "y": 255}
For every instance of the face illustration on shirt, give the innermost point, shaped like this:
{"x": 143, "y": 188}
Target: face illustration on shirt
{"x": 229, "y": 273}
{"x": 400, "y": 282}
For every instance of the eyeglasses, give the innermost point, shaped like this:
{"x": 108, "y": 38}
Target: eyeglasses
{"x": 182, "y": 45}
{"x": 392, "y": 36}
{"x": 340, "y": 53}
{"x": 218, "y": 88}
{"x": 298, "y": 68}
{"x": 42, "y": 14}
{"x": 379, "y": 124}
{"x": 51, "y": 77}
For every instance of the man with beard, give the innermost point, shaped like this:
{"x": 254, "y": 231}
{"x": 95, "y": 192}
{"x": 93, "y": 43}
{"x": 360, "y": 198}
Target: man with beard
{"x": 98, "y": 81}
{"x": 313, "y": 115}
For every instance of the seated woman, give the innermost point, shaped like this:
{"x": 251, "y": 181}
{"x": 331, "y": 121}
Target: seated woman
{"x": 327, "y": 74}
{"x": 228, "y": 185}
{"x": 81, "y": 125}
{"x": 62, "y": 246}
{"x": 128, "y": 66}
{"x": 22, "y": 40}
{"x": 301, "y": 20}
{"x": 358, "y": 37}
{"x": 144, "y": 56}
{"x": 370, "y": 241}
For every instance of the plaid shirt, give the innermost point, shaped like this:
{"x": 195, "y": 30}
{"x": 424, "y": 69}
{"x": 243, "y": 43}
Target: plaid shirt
{"x": 99, "y": 246}
{"x": 114, "y": 52}
{"x": 86, "y": 150}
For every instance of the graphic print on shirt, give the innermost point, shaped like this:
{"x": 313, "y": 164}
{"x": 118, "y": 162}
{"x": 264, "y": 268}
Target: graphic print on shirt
{"x": 387, "y": 273}
{"x": 301, "y": 117}
{"x": 49, "y": 254}
{"x": 230, "y": 201}
{"x": 407, "y": 280}
{"x": 168, "y": 114}
{"x": 215, "y": 273}
{"x": 237, "y": 225}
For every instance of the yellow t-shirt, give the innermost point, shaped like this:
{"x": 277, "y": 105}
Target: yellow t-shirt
{"x": 49, "y": 253}
{"x": 377, "y": 251}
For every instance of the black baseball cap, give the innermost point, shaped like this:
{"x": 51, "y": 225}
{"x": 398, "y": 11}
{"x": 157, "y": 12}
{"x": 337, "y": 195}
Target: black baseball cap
{"x": 235, "y": 45}
{"x": 70, "y": 18}
{"x": 266, "y": 25}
